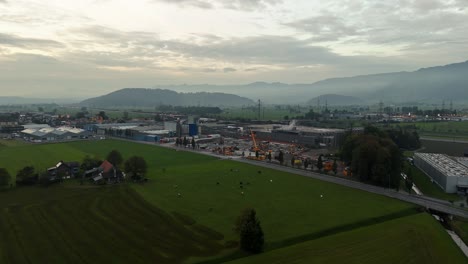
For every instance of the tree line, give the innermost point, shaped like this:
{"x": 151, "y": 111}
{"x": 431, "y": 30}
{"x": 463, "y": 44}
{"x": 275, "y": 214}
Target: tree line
{"x": 135, "y": 166}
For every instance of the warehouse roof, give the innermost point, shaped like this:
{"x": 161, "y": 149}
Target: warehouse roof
{"x": 444, "y": 164}
{"x": 50, "y": 130}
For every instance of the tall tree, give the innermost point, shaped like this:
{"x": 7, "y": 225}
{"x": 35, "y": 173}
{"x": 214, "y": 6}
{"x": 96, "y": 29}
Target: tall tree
{"x": 374, "y": 157}
{"x": 320, "y": 163}
{"x": 281, "y": 157}
{"x": 4, "y": 177}
{"x": 335, "y": 167}
{"x": 115, "y": 158}
{"x": 103, "y": 115}
{"x": 136, "y": 167}
{"x": 250, "y": 232}
{"x": 26, "y": 175}
{"x": 89, "y": 163}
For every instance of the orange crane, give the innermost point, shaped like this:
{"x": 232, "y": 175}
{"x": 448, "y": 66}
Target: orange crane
{"x": 254, "y": 147}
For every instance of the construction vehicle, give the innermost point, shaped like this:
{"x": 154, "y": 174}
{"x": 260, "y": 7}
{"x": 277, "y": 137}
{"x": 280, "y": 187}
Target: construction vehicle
{"x": 254, "y": 148}
{"x": 328, "y": 165}
{"x": 347, "y": 171}
{"x": 259, "y": 153}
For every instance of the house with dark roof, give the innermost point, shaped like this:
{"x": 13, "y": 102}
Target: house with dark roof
{"x": 64, "y": 170}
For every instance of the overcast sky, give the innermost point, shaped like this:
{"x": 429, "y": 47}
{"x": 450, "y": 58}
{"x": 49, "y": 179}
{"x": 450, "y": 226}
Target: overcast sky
{"x": 70, "y": 48}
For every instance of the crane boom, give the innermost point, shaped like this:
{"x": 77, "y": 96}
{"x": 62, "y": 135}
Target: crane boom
{"x": 255, "y": 148}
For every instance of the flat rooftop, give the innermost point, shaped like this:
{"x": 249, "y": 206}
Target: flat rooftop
{"x": 444, "y": 164}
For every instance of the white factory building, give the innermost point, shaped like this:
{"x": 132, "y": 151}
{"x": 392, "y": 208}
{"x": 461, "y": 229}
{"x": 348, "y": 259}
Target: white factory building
{"x": 53, "y": 134}
{"x": 450, "y": 173}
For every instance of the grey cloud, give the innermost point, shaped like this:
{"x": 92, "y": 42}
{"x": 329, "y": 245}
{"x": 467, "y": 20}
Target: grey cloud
{"x": 246, "y": 5}
{"x": 139, "y": 49}
{"x": 389, "y": 23}
{"x": 57, "y": 77}
{"x": 227, "y": 70}
{"x": 325, "y": 27}
{"x": 249, "y": 5}
{"x": 208, "y": 70}
{"x": 30, "y": 43}
{"x": 191, "y": 3}
{"x": 257, "y": 50}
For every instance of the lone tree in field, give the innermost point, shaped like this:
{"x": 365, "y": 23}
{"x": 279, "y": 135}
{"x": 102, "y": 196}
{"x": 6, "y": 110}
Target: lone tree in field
{"x": 115, "y": 158}
{"x": 4, "y": 177}
{"x": 136, "y": 167}
{"x": 250, "y": 232}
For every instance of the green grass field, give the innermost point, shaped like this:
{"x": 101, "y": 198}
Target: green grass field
{"x": 460, "y": 226}
{"x": 444, "y": 130}
{"x": 414, "y": 239}
{"x": 95, "y": 225}
{"x": 427, "y": 187}
{"x": 289, "y": 207}
{"x": 11, "y": 143}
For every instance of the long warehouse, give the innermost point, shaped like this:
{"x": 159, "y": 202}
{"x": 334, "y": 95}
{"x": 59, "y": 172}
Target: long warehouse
{"x": 448, "y": 173}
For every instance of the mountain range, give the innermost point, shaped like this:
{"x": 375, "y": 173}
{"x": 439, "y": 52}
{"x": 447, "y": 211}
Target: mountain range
{"x": 426, "y": 85}
{"x": 142, "y": 97}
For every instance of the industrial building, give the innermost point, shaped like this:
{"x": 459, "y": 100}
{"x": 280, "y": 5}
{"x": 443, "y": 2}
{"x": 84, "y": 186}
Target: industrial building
{"x": 449, "y": 173}
{"x": 52, "y": 134}
{"x": 302, "y": 135}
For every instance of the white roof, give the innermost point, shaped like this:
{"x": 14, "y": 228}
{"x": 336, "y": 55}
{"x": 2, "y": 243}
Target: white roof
{"x": 444, "y": 164}
{"x": 157, "y": 132}
{"x": 51, "y": 130}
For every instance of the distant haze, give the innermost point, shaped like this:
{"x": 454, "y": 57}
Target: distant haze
{"x": 86, "y": 48}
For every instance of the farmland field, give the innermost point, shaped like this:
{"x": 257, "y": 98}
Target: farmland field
{"x": 415, "y": 239}
{"x": 95, "y": 225}
{"x": 446, "y": 130}
{"x": 212, "y": 193}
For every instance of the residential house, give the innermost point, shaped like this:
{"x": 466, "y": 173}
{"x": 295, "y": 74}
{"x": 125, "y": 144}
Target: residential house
{"x": 65, "y": 170}
{"x": 106, "y": 172}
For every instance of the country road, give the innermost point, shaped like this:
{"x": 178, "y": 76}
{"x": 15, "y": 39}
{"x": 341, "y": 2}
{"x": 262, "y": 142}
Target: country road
{"x": 421, "y": 200}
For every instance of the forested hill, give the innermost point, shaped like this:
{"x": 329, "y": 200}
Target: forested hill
{"x": 141, "y": 97}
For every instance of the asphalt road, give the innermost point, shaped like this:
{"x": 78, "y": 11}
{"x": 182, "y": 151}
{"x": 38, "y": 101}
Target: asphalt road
{"x": 427, "y": 202}
{"x": 424, "y": 201}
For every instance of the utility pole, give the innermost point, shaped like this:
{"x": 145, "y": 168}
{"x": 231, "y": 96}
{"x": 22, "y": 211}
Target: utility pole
{"x": 259, "y": 108}
{"x": 318, "y": 105}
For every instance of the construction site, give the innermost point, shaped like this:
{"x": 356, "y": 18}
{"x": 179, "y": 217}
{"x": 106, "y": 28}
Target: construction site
{"x": 290, "y": 145}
